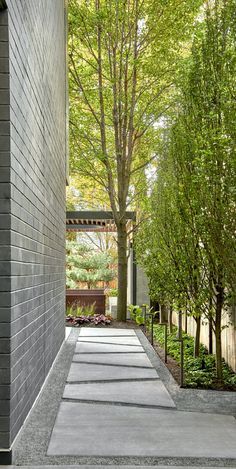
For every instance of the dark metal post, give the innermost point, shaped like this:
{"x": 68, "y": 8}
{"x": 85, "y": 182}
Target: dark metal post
{"x": 165, "y": 325}
{"x": 134, "y": 276}
{"x": 180, "y": 338}
{"x": 144, "y": 311}
{"x": 165, "y": 329}
{"x": 152, "y": 319}
{"x": 181, "y": 363}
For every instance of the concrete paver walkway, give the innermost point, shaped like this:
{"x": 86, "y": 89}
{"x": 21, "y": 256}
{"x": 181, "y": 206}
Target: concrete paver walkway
{"x": 115, "y": 404}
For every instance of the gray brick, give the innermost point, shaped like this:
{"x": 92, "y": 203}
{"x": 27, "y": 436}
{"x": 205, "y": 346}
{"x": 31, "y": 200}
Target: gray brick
{"x": 5, "y": 285}
{"x": 3, "y": 33}
{"x": 4, "y": 17}
{"x": 4, "y": 346}
{"x": 4, "y": 143}
{"x": 4, "y": 65}
{"x": 4, "y": 423}
{"x": 5, "y": 392}
{"x": 5, "y": 192}
{"x": 4, "y": 112}
{"x": 5, "y": 329}
{"x": 5, "y": 271}
{"x": 5, "y": 315}
{"x": 4, "y": 372}
{"x": 5, "y": 253}
{"x": 4, "y": 406}
{"x": 4, "y": 173}
{"x": 4, "y": 361}
{"x": 4, "y": 205}
{"x": 4, "y": 159}
{"x": 4, "y": 81}
{"x": 5, "y": 439}
{"x": 4, "y": 128}
{"x": 4, "y": 94}
{"x": 4, "y": 50}
{"x": 5, "y": 221}
{"x": 4, "y": 237}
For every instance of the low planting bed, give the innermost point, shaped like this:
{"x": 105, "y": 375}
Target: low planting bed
{"x": 85, "y": 316}
{"x": 199, "y": 372}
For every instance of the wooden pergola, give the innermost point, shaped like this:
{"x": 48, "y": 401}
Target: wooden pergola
{"x": 96, "y": 221}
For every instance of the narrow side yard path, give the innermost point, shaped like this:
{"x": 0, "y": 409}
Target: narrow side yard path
{"x": 115, "y": 403}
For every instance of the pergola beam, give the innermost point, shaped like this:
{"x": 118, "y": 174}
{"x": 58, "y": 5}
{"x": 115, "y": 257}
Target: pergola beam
{"x": 96, "y": 215}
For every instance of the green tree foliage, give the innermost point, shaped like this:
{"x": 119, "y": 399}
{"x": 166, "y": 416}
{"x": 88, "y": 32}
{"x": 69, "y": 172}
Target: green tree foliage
{"x": 190, "y": 238}
{"x": 84, "y": 265}
{"x": 123, "y": 57}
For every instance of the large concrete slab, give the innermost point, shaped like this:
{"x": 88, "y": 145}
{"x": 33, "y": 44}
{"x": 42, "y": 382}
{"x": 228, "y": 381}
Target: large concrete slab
{"x": 149, "y": 393}
{"x": 103, "y": 430}
{"x": 104, "y": 332}
{"x": 110, "y": 340}
{"x": 128, "y": 359}
{"x": 93, "y": 372}
{"x": 89, "y": 347}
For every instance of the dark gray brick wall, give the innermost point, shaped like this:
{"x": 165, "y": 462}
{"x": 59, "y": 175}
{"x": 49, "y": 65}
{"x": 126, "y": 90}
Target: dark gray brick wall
{"x": 32, "y": 203}
{"x": 5, "y": 221}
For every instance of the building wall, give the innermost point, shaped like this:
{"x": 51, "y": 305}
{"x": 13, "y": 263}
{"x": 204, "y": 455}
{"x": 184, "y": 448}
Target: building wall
{"x": 32, "y": 308}
{"x": 142, "y": 287}
{"x": 5, "y": 220}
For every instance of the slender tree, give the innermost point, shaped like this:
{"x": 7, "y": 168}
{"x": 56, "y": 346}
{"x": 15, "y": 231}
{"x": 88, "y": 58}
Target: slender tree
{"x": 123, "y": 57}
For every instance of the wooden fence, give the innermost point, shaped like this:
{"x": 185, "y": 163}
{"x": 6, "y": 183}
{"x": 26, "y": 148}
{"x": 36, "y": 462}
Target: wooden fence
{"x": 228, "y": 335}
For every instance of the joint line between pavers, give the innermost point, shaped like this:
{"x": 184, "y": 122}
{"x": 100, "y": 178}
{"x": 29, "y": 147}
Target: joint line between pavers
{"x": 108, "y": 336}
{"x": 105, "y": 353}
{"x": 117, "y": 403}
{"x": 114, "y": 364}
{"x": 113, "y": 380}
{"x": 107, "y": 343}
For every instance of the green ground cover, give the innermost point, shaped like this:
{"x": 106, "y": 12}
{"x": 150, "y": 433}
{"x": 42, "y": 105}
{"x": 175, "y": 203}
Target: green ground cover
{"x": 200, "y": 371}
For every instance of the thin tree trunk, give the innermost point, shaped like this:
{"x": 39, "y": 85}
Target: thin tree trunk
{"x": 164, "y": 314}
{"x": 218, "y": 318}
{"x": 171, "y": 319}
{"x": 186, "y": 322}
{"x": 122, "y": 273}
{"x": 210, "y": 335}
{"x": 210, "y": 330}
{"x": 197, "y": 336}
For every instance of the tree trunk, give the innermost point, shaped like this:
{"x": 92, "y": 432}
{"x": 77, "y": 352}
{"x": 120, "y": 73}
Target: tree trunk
{"x": 171, "y": 319}
{"x": 163, "y": 314}
{"x": 122, "y": 273}
{"x": 186, "y": 322}
{"x": 218, "y": 318}
{"x": 210, "y": 335}
{"x": 210, "y": 330}
{"x": 197, "y": 336}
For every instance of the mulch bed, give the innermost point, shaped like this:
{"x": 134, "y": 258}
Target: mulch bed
{"x": 171, "y": 364}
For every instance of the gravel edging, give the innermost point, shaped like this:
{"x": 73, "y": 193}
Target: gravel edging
{"x": 191, "y": 400}
{"x": 31, "y": 445}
